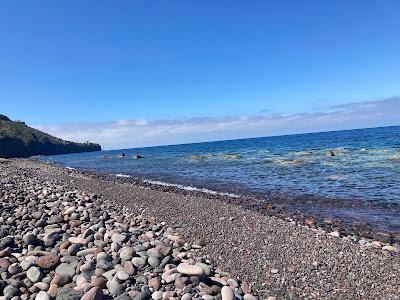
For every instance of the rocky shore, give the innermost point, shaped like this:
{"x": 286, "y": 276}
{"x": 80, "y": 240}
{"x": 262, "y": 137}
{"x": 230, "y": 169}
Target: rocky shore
{"x": 65, "y": 235}
{"x": 70, "y": 244}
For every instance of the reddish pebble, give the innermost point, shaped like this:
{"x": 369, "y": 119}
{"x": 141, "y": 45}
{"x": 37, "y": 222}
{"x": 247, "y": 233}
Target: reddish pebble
{"x": 99, "y": 281}
{"x": 309, "y": 222}
{"x": 4, "y": 263}
{"x": 77, "y": 240}
{"x": 65, "y": 245}
{"x": 94, "y": 293}
{"x": 52, "y": 291}
{"x": 48, "y": 261}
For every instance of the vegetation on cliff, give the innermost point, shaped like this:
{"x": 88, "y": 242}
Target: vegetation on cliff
{"x": 19, "y": 140}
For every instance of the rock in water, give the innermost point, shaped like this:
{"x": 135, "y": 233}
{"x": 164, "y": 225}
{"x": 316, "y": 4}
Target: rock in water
{"x": 330, "y": 153}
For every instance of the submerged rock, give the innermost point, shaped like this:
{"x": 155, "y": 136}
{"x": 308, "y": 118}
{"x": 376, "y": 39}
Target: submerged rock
{"x": 330, "y": 153}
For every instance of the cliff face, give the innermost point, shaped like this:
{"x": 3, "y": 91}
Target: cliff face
{"x": 19, "y": 140}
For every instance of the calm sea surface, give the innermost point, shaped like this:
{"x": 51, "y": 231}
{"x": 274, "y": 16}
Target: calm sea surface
{"x": 361, "y": 182}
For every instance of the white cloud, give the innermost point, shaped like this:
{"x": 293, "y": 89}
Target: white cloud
{"x": 142, "y": 132}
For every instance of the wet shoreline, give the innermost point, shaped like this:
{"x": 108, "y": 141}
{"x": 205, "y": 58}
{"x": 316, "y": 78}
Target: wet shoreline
{"x": 304, "y": 210}
{"x": 351, "y": 177}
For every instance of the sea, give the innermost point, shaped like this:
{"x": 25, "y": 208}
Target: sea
{"x": 351, "y": 175}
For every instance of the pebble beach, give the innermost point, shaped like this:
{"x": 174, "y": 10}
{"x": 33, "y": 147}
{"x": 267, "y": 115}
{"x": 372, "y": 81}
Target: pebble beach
{"x": 66, "y": 235}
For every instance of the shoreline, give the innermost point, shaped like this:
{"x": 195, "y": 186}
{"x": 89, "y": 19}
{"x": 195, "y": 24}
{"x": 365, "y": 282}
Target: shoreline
{"x": 277, "y": 258}
{"x": 277, "y": 205}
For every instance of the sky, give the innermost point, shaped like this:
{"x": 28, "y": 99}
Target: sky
{"x": 140, "y": 73}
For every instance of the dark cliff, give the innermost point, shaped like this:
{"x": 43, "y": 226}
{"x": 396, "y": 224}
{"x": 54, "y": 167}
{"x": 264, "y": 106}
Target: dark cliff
{"x": 19, "y": 140}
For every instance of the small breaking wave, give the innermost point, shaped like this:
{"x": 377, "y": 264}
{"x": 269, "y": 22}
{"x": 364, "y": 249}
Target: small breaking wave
{"x": 338, "y": 177}
{"x": 285, "y": 162}
{"x": 303, "y": 153}
{"x": 218, "y": 155}
{"x": 123, "y": 175}
{"x": 190, "y": 188}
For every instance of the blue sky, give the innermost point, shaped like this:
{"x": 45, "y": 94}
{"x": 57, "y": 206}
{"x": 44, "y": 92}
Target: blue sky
{"x": 93, "y": 62}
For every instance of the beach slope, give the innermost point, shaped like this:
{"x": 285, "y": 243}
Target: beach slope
{"x": 274, "y": 257}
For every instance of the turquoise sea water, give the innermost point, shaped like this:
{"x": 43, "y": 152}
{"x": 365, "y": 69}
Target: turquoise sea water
{"x": 360, "y": 182}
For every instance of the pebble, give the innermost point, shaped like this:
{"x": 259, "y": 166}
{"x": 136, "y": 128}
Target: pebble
{"x": 14, "y": 269}
{"x": 86, "y": 252}
{"x": 42, "y": 295}
{"x": 34, "y": 274}
{"x": 119, "y": 238}
{"x": 187, "y": 296}
{"x": 122, "y": 275}
{"x": 10, "y": 291}
{"x": 191, "y": 270}
{"x": 30, "y": 239}
{"x": 61, "y": 279}
{"x": 88, "y": 269}
{"x": 233, "y": 282}
{"x": 99, "y": 281}
{"x": 389, "y": 248}
{"x": 227, "y": 293}
{"x": 68, "y": 294}
{"x": 115, "y": 288}
{"x": 48, "y": 261}
{"x": 126, "y": 253}
{"x": 66, "y": 269}
{"x": 155, "y": 283}
{"x": 73, "y": 249}
{"x": 43, "y": 286}
{"x": 153, "y": 261}
{"x": 249, "y": 297}
{"x": 28, "y": 262}
{"x": 95, "y": 293}
{"x": 77, "y": 240}
{"x": 157, "y": 295}
{"x": 141, "y": 296}
{"x": 335, "y": 234}
{"x": 139, "y": 261}
{"x": 129, "y": 268}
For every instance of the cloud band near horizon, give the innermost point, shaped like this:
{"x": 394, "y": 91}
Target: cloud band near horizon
{"x": 122, "y": 134}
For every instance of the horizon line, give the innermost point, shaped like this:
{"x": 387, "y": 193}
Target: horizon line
{"x": 257, "y": 137}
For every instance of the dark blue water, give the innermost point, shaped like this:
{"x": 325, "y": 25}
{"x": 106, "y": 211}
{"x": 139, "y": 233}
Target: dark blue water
{"x": 362, "y": 180}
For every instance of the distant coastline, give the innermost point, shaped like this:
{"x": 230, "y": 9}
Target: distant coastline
{"x": 19, "y": 140}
